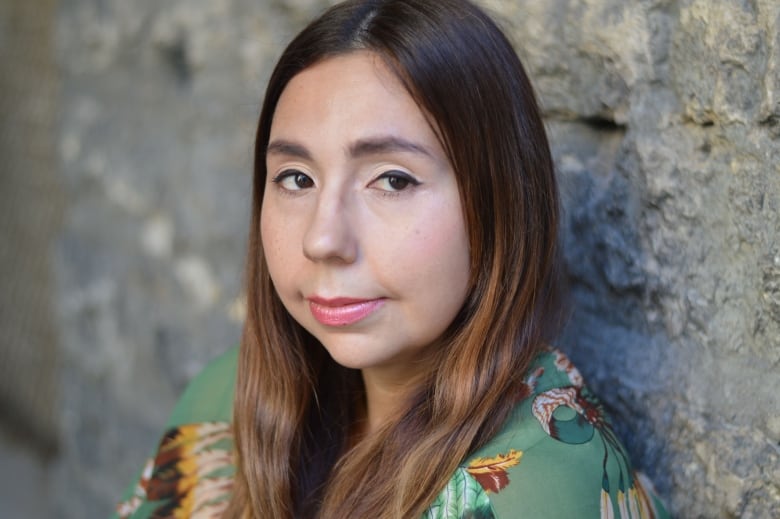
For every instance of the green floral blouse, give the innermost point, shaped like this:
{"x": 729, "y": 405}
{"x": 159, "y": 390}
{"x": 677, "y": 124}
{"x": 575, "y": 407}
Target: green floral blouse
{"x": 556, "y": 457}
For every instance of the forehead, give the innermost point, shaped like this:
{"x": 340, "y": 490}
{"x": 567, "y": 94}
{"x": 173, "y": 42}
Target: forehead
{"x": 349, "y": 97}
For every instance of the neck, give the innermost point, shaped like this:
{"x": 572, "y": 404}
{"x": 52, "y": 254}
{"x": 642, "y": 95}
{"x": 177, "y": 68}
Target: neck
{"x": 386, "y": 395}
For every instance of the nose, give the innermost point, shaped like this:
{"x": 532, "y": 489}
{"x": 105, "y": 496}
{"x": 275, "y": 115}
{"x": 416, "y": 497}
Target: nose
{"x": 331, "y": 236}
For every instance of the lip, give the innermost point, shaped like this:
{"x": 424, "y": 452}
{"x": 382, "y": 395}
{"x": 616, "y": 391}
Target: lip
{"x": 342, "y": 311}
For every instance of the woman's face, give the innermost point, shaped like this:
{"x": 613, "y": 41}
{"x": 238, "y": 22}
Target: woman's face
{"x": 361, "y": 221}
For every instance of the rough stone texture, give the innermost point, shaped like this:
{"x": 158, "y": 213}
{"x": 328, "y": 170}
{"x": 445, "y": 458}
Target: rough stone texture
{"x": 664, "y": 121}
{"x": 664, "y": 117}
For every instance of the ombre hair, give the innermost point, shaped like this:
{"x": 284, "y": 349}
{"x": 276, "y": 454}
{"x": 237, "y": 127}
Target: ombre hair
{"x": 294, "y": 405}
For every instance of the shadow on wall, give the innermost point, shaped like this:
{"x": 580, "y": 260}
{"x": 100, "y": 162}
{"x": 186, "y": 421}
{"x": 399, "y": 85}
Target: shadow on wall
{"x": 608, "y": 334}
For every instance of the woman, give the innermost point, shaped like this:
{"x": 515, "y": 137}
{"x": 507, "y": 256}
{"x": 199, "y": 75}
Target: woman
{"x": 401, "y": 273}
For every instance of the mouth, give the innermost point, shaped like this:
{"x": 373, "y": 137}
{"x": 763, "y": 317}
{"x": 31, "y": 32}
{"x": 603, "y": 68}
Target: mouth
{"x": 342, "y": 311}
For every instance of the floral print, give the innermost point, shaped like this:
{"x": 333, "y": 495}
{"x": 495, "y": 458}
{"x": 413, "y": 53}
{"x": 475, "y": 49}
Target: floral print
{"x": 557, "y": 456}
{"x": 463, "y": 497}
{"x": 554, "y": 395}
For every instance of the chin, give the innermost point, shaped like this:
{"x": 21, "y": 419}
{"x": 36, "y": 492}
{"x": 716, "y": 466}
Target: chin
{"x": 355, "y": 359}
{"x": 351, "y": 361}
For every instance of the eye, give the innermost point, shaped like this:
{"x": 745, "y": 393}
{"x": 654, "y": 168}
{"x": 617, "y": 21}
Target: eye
{"x": 293, "y": 180}
{"x": 395, "y": 181}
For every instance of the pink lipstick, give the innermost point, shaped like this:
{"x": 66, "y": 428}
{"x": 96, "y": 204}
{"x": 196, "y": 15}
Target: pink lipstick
{"x": 342, "y": 311}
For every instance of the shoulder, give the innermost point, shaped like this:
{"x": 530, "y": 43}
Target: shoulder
{"x": 192, "y": 470}
{"x": 557, "y": 456}
{"x": 209, "y": 396}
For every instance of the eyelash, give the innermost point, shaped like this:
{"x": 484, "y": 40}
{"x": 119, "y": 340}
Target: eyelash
{"x": 387, "y": 176}
{"x": 291, "y": 173}
{"x": 398, "y": 175}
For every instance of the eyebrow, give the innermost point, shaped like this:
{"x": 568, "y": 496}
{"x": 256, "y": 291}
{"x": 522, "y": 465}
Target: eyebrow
{"x": 389, "y": 144}
{"x": 282, "y": 147}
{"x": 359, "y": 148}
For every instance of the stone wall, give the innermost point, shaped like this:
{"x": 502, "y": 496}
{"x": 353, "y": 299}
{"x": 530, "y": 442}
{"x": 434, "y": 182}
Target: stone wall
{"x": 664, "y": 121}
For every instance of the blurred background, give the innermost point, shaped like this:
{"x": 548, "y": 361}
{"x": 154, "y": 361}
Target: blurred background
{"x": 126, "y": 133}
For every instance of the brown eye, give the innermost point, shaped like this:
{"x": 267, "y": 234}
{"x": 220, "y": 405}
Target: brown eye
{"x": 395, "y": 181}
{"x": 303, "y": 181}
{"x": 293, "y": 180}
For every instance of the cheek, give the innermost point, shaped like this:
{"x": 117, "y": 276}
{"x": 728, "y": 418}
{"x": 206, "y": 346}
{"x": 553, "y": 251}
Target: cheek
{"x": 445, "y": 242}
{"x": 432, "y": 262}
{"x": 449, "y": 251}
{"x": 268, "y": 238}
{"x": 275, "y": 237}
{"x": 441, "y": 286}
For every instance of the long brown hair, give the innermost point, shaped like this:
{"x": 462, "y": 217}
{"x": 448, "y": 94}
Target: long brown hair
{"x": 294, "y": 405}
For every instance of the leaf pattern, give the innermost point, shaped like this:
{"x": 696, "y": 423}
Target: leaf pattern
{"x": 491, "y": 472}
{"x": 192, "y": 472}
{"x": 462, "y": 498}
